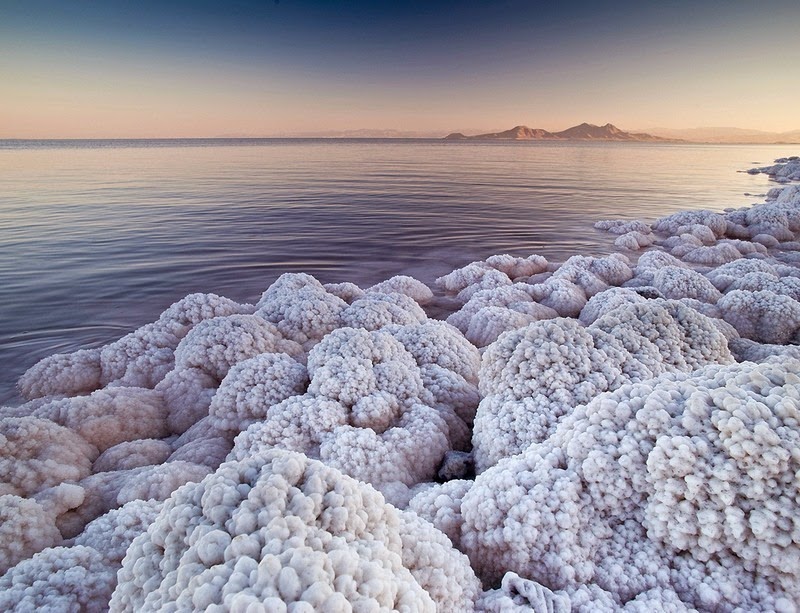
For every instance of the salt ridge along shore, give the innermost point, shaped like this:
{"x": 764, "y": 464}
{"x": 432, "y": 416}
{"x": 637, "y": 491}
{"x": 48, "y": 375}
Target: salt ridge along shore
{"x": 603, "y": 434}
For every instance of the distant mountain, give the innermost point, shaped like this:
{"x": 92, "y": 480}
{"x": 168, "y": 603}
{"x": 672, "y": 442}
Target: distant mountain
{"x": 515, "y": 133}
{"x": 728, "y": 135}
{"x": 584, "y": 131}
{"x": 587, "y": 131}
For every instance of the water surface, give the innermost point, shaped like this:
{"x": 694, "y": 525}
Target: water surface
{"x": 98, "y": 237}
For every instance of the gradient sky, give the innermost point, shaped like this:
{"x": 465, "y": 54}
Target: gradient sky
{"x": 84, "y": 69}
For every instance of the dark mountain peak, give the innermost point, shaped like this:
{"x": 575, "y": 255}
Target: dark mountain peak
{"x": 584, "y": 131}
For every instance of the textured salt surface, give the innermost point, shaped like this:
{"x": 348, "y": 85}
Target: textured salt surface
{"x": 633, "y": 422}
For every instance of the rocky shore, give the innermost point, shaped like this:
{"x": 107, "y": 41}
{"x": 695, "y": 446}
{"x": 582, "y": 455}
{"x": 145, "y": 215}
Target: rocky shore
{"x": 601, "y": 434}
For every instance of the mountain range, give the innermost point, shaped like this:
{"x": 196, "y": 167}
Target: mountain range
{"x": 584, "y": 131}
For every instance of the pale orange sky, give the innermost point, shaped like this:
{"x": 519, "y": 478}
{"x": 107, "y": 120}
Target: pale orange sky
{"x": 89, "y": 76}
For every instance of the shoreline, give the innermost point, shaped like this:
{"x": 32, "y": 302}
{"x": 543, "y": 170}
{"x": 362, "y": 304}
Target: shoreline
{"x": 632, "y": 420}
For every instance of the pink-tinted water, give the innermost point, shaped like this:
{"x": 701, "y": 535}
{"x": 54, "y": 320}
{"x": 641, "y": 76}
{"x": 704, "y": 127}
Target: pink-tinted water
{"x": 97, "y": 238}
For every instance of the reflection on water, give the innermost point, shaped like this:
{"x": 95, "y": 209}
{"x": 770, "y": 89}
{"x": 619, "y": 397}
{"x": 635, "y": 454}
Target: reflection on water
{"x": 98, "y": 238}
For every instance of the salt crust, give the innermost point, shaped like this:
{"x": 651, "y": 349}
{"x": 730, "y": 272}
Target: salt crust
{"x": 629, "y": 458}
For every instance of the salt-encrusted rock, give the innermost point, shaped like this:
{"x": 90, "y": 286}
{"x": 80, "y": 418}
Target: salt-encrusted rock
{"x": 403, "y": 284}
{"x": 59, "y": 579}
{"x": 672, "y": 223}
{"x": 301, "y": 308}
{"x": 762, "y": 316}
{"x": 440, "y": 504}
{"x": 81, "y": 576}
{"x": 621, "y": 226}
{"x": 37, "y": 453}
{"x": 252, "y": 386}
{"x": 132, "y": 454}
{"x": 62, "y": 374}
{"x": 633, "y": 241}
{"x": 676, "y": 282}
{"x": 26, "y": 527}
{"x": 110, "y": 416}
{"x": 608, "y": 301}
{"x": 696, "y": 471}
{"x": 531, "y": 378}
{"x": 374, "y": 310}
{"x": 281, "y": 530}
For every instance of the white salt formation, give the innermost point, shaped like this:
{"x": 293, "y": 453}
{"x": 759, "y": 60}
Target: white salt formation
{"x": 634, "y": 426}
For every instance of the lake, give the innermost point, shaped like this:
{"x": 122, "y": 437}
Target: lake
{"x": 98, "y": 237}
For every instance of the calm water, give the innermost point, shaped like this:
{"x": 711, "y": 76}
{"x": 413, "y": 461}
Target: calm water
{"x": 97, "y": 238}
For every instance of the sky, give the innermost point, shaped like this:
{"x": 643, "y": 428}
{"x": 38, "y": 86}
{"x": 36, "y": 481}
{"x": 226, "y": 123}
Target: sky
{"x": 201, "y": 68}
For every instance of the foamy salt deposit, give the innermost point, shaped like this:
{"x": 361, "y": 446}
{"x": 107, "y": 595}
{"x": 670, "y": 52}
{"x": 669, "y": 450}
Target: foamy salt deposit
{"x": 633, "y": 421}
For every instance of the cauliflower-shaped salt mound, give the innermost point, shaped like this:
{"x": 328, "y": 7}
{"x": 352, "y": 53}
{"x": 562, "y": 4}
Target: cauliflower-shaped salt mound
{"x": 110, "y": 416}
{"x": 139, "y": 359}
{"x": 633, "y": 241}
{"x": 760, "y": 281}
{"x": 515, "y": 267}
{"x": 38, "y": 453}
{"x": 77, "y": 578}
{"x": 280, "y": 531}
{"x": 251, "y": 387}
{"x": 607, "y": 302}
{"x": 650, "y": 263}
{"x": 350, "y": 364}
{"x": 143, "y": 357}
{"x": 215, "y": 345}
{"x": 59, "y": 579}
{"x": 683, "y": 483}
{"x": 111, "y": 534}
{"x": 490, "y": 322}
{"x": 158, "y": 482}
{"x": 621, "y": 226}
{"x": 190, "y": 310}
{"x": 409, "y": 452}
{"x": 489, "y": 313}
{"x": 374, "y": 311}
{"x": 204, "y": 357}
{"x": 672, "y": 224}
{"x": 721, "y": 253}
{"x": 593, "y": 274}
{"x": 301, "y": 308}
{"x": 80, "y": 577}
{"x": 441, "y": 506}
{"x": 65, "y": 374}
{"x": 762, "y": 316}
{"x": 133, "y": 454}
{"x": 726, "y": 275}
{"x": 299, "y": 424}
{"x": 676, "y": 282}
{"x": 773, "y": 220}
{"x": 578, "y": 279}
{"x": 202, "y": 444}
{"x": 437, "y": 343}
{"x": 563, "y": 296}
{"x": 403, "y": 284}
{"x": 665, "y": 335}
{"x": 346, "y": 291}
{"x": 532, "y": 377}
{"x": 497, "y": 271}
{"x": 746, "y": 350}
{"x": 187, "y": 393}
{"x": 25, "y": 528}
{"x": 110, "y": 490}
{"x": 374, "y": 409}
